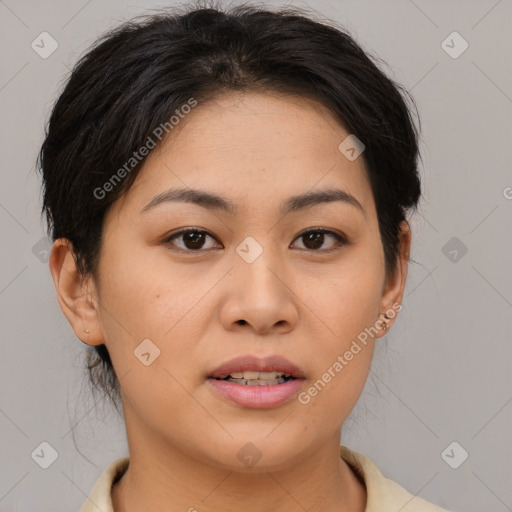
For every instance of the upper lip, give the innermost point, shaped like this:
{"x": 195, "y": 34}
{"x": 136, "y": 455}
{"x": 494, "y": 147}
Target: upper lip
{"x": 251, "y": 363}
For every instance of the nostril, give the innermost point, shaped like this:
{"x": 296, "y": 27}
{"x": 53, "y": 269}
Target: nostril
{"x": 241, "y": 322}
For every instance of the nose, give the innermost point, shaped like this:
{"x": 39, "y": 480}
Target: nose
{"x": 259, "y": 297}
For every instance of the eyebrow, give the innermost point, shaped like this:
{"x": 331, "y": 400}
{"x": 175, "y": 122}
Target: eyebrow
{"x": 215, "y": 202}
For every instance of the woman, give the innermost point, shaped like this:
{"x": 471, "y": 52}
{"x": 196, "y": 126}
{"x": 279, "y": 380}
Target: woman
{"x": 227, "y": 194}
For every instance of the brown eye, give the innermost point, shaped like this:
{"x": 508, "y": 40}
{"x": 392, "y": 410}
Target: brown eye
{"x": 191, "y": 240}
{"x": 196, "y": 240}
{"x": 314, "y": 239}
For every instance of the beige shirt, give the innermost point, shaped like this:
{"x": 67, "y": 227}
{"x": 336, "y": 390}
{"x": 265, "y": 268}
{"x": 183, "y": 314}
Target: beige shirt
{"x": 383, "y": 495}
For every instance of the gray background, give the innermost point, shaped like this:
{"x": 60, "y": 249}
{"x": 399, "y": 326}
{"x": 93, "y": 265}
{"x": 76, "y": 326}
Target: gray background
{"x": 441, "y": 375}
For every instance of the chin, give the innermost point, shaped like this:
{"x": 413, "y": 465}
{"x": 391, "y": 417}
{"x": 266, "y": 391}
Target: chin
{"x": 256, "y": 454}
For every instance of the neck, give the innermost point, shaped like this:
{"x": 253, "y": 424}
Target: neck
{"x": 167, "y": 479}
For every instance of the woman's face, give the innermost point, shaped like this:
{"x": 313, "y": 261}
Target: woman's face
{"x": 171, "y": 310}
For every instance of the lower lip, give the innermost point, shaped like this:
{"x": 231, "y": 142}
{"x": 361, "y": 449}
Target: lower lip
{"x": 257, "y": 397}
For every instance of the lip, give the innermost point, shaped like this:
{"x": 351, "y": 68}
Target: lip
{"x": 257, "y": 397}
{"x": 256, "y": 364}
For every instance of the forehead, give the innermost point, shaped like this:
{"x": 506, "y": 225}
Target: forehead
{"x": 255, "y": 148}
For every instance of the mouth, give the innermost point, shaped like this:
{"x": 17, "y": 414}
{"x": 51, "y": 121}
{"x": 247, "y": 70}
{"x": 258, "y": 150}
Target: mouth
{"x": 257, "y": 383}
{"x": 250, "y": 378}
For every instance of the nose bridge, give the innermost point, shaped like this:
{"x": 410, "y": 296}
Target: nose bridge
{"x": 258, "y": 294}
{"x": 256, "y": 266}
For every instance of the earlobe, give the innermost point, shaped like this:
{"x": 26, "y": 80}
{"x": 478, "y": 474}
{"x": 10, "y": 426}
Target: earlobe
{"x": 391, "y": 302}
{"x": 76, "y": 302}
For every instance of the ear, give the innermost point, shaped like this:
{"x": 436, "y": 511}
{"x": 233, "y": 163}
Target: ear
{"x": 78, "y": 302}
{"x": 393, "y": 290}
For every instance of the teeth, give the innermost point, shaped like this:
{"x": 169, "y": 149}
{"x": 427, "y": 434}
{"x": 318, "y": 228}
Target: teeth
{"x": 258, "y": 375}
{"x": 251, "y": 375}
{"x": 271, "y": 382}
{"x": 248, "y": 378}
{"x": 266, "y": 382}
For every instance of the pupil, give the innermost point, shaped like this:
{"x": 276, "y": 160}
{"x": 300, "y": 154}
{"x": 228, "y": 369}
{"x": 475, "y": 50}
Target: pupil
{"x": 314, "y": 237}
{"x": 196, "y": 239}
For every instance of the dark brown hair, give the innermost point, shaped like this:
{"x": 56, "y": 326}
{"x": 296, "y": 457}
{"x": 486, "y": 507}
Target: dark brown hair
{"x": 136, "y": 76}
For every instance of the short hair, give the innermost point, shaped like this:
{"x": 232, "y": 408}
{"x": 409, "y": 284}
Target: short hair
{"x": 137, "y": 75}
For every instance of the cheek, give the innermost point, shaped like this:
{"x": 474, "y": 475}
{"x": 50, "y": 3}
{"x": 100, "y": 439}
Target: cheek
{"x": 347, "y": 308}
{"x": 348, "y": 301}
{"x": 145, "y": 298}
{"x": 340, "y": 371}
{"x": 162, "y": 398}
{"x": 138, "y": 286}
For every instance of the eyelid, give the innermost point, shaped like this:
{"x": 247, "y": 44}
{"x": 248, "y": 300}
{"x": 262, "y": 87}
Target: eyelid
{"x": 341, "y": 238}
{"x": 176, "y": 234}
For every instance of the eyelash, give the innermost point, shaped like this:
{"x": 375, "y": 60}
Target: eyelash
{"x": 340, "y": 239}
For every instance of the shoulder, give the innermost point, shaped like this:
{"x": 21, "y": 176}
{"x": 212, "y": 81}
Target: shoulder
{"x": 100, "y": 498}
{"x": 383, "y": 494}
